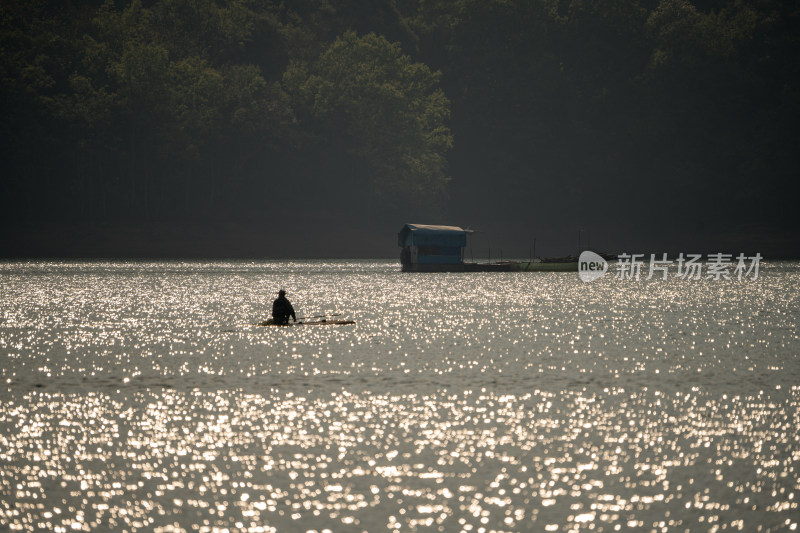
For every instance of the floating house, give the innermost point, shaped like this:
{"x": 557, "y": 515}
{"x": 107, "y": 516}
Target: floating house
{"x": 429, "y": 248}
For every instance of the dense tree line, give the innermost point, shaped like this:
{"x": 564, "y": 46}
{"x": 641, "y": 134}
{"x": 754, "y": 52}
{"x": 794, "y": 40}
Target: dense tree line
{"x": 209, "y": 111}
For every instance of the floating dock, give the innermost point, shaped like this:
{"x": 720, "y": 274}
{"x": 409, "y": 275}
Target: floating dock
{"x": 502, "y": 266}
{"x": 435, "y": 248}
{"x": 544, "y": 266}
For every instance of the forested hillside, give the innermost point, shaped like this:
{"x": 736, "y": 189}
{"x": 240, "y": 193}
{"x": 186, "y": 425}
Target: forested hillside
{"x": 202, "y": 127}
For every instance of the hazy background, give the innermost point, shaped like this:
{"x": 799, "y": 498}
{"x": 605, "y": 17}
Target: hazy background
{"x": 204, "y": 128}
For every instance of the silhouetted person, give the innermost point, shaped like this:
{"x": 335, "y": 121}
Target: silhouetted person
{"x": 282, "y": 309}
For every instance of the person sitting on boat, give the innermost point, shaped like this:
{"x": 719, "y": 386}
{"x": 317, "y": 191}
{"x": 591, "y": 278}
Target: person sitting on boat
{"x": 282, "y": 309}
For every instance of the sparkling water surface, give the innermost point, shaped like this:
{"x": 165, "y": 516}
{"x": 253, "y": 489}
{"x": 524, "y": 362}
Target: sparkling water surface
{"x": 140, "y": 396}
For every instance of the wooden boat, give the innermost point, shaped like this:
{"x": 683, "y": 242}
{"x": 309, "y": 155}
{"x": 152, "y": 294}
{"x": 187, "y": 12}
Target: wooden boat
{"x": 323, "y": 322}
{"x": 544, "y": 266}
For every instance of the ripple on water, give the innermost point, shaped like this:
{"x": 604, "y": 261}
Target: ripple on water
{"x": 463, "y": 460}
{"x": 141, "y": 396}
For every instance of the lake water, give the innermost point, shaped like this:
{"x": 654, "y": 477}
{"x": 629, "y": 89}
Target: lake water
{"x": 139, "y": 396}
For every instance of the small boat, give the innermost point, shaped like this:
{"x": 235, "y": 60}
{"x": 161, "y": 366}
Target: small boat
{"x": 544, "y": 266}
{"x": 323, "y": 322}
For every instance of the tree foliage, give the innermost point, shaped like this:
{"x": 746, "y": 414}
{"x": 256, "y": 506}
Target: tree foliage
{"x": 158, "y": 110}
{"x": 374, "y": 104}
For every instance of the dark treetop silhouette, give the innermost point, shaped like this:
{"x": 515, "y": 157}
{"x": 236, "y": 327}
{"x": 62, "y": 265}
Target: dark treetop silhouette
{"x": 168, "y": 127}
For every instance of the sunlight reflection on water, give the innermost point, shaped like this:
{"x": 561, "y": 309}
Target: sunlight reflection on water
{"x": 139, "y": 396}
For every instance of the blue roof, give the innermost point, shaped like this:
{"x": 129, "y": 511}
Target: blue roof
{"x": 431, "y": 235}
